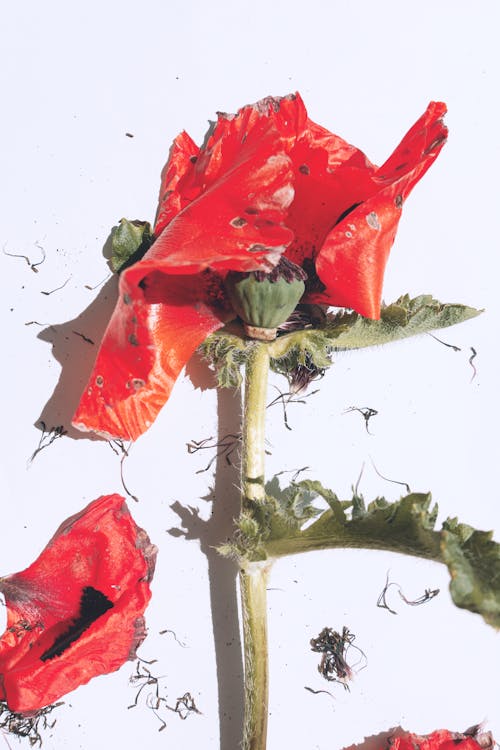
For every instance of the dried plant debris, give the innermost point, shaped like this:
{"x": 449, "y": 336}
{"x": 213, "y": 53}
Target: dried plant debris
{"x": 48, "y": 437}
{"x": 30, "y": 726}
{"x": 172, "y": 632}
{"x": 33, "y": 266}
{"x": 118, "y": 447}
{"x": 288, "y": 398}
{"x": 85, "y": 338}
{"x": 223, "y": 447}
{"x": 382, "y": 600}
{"x": 58, "y": 288}
{"x": 471, "y": 362}
{"x": 295, "y": 472}
{"x": 366, "y": 412}
{"x": 445, "y": 343}
{"x": 458, "y": 349}
{"x": 148, "y": 686}
{"x": 185, "y": 706}
{"x": 334, "y": 646}
{"x": 303, "y": 374}
{"x": 392, "y": 481}
{"x": 99, "y": 283}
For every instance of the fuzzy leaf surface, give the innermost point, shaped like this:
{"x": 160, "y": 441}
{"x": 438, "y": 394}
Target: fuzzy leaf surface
{"x": 404, "y": 318}
{"x": 281, "y": 525}
{"x": 227, "y": 349}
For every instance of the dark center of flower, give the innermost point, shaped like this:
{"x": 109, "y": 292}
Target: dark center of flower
{"x": 93, "y": 604}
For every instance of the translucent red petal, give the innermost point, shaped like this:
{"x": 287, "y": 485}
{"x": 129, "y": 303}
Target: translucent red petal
{"x": 353, "y": 256}
{"x": 183, "y": 155}
{"x": 158, "y": 322}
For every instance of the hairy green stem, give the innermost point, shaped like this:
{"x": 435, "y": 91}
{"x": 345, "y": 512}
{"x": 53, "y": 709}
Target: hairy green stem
{"x": 253, "y": 583}
{"x": 254, "y": 417}
{"x": 253, "y": 576}
{"x": 430, "y": 550}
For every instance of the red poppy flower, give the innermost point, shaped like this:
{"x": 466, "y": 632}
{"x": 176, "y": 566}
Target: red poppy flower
{"x": 77, "y": 611}
{"x": 442, "y": 739}
{"x": 269, "y": 182}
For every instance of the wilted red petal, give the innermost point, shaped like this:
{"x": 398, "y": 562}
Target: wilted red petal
{"x": 183, "y": 155}
{"x": 325, "y": 187}
{"x": 236, "y": 199}
{"x": 352, "y": 259}
{"x": 77, "y": 611}
{"x": 158, "y": 322}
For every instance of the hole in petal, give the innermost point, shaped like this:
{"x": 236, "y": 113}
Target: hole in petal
{"x": 372, "y": 220}
{"x": 238, "y": 221}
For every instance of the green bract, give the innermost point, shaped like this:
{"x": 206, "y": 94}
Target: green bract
{"x": 129, "y": 242}
{"x": 228, "y": 348}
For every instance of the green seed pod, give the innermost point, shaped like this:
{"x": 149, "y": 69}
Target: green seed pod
{"x": 265, "y": 300}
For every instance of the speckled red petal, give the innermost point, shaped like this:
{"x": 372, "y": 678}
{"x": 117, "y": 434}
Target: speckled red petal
{"x": 183, "y": 156}
{"x": 330, "y": 175}
{"x": 352, "y": 259}
{"x": 237, "y": 200}
{"x": 442, "y": 739}
{"x": 77, "y": 611}
{"x": 158, "y": 322}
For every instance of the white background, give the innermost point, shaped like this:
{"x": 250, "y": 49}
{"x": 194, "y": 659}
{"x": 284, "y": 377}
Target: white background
{"x": 75, "y": 79}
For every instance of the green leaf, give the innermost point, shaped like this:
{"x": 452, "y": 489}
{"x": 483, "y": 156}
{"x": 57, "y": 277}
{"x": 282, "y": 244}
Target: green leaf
{"x": 129, "y": 242}
{"x": 404, "y": 318}
{"x": 281, "y": 525}
{"x": 473, "y": 560}
{"x": 405, "y": 526}
{"x": 312, "y": 348}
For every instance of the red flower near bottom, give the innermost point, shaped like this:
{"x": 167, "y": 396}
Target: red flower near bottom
{"x": 77, "y": 611}
{"x": 442, "y": 739}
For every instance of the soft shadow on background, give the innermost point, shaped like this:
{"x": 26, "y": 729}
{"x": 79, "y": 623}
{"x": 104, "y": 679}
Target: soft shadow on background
{"x": 75, "y": 345}
{"x": 76, "y": 356}
{"x": 377, "y": 741}
{"x": 223, "y": 573}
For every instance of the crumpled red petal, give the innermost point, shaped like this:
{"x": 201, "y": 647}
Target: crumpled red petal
{"x": 269, "y": 181}
{"x": 352, "y": 259}
{"x": 442, "y": 739}
{"x": 236, "y": 199}
{"x": 183, "y": 156}
{"x": 157, "y": 324}
{"x": 77, "y": 611}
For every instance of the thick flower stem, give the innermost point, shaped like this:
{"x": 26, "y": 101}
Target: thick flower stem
{"x": 253, "y": 576}
{"x": 253, "y": 582}
{"x": 254, "y": 417}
